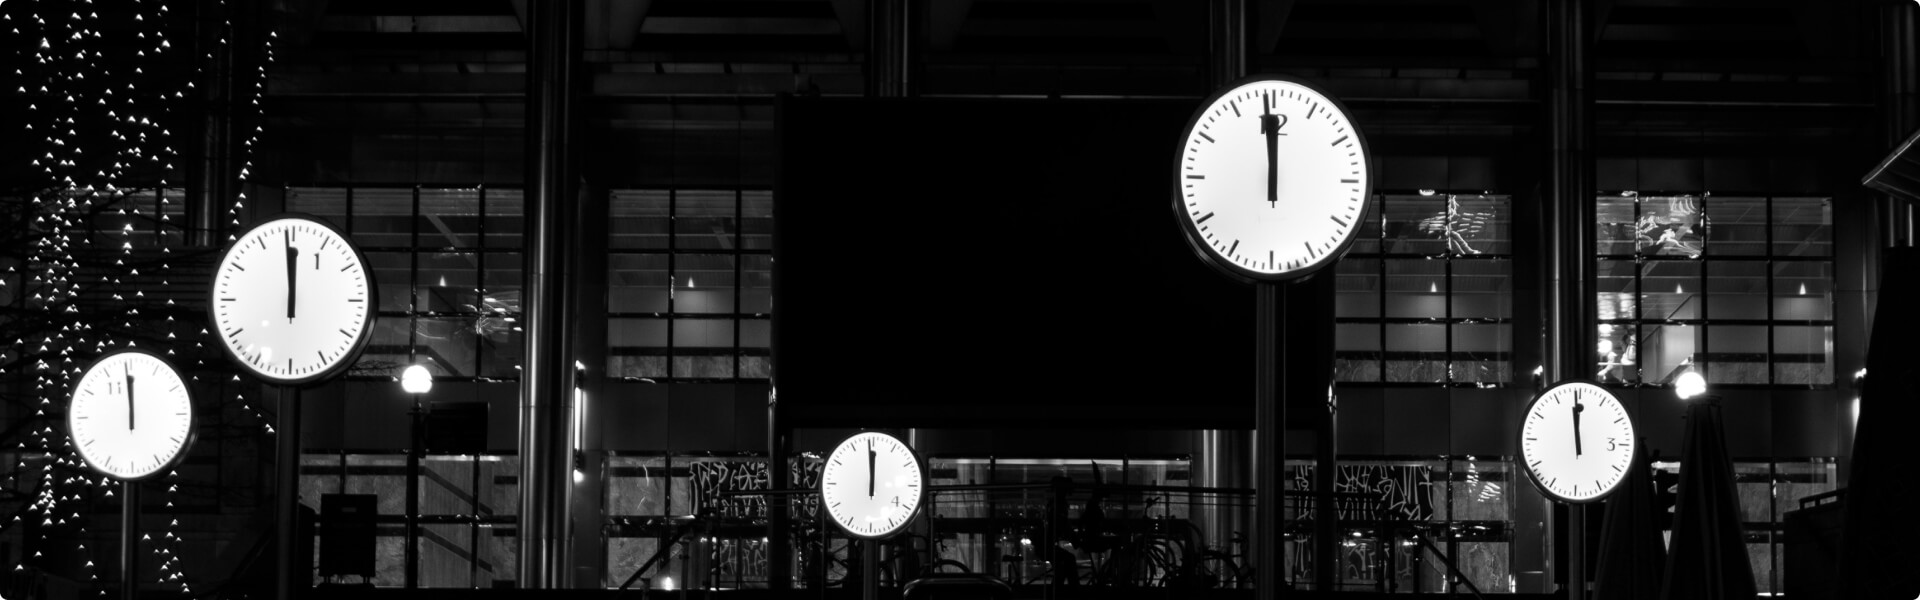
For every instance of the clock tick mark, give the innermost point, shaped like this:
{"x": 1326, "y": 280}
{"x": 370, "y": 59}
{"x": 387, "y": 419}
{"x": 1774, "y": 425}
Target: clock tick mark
{"x": 1204, "y": 135}
{"x": 1337, "y": 142}
{"x": 1204, "y": 219}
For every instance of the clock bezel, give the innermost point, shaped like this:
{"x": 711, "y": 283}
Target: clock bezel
{"x": 919, "y": 462}
{"x": 1520, "y": 434}
{"x": 193, "y": 416}
{"x": 1191, "y": 232}
{"x": 360, "y": 342}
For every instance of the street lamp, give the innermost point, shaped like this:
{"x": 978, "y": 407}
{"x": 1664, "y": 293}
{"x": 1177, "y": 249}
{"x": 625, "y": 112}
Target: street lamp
{"x": 415, "y": 380}
{"x": 1689, "y": 385}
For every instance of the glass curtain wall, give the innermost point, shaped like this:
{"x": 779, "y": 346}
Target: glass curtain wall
{"x": 1426, "y": 293}
{"x": 1738, "y": 287}
{"x": 690, "y": 279}
{"x": 447, "y": 261}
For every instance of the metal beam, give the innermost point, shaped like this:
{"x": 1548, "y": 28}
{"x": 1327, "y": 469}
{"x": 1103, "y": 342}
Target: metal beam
{"x": 547, "y": 377}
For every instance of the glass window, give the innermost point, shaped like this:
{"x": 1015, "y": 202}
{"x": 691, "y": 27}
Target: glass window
{"x": 449, "y": 218}
{"x": 445, "y": 299}
{"x": 640, "y": 219}
{"x": 1739, "y": 286}
{"x": 382, "y": 217}
{"x": 1425, "y": 295}
{"x": 504, "y": 224}
{"x": 700, "y": 263}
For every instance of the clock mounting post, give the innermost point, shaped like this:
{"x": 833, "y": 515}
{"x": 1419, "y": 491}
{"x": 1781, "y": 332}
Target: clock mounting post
{"x": 129, "y": 539}
{"x": 1268, "y": 435}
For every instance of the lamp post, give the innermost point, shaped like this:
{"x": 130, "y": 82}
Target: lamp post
{"x": 1689, "y": 385}
{"x": 415, "y": 380}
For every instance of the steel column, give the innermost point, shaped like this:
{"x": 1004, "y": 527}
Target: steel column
{"x": 889, "y": 40}
{"x": 286, "y": 484}
{"x": 129, "y": 540}
{"x": 547, "y": 376}
{"x": 1571, "y": 306}
{"x": 1270, "y": 359}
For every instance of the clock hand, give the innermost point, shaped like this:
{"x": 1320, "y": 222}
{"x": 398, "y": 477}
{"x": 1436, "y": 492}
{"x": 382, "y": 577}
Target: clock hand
{"x": 293, "y": 259}
{"x": 1577, "y": 408}
{"x": 129, "y": 400}
{"x": 1270, "y": 127}
{"x": 870, "y": 454}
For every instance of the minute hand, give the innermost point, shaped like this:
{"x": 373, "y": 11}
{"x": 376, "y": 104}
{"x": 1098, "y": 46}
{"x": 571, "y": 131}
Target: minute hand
{"x": 1270, "y": 129}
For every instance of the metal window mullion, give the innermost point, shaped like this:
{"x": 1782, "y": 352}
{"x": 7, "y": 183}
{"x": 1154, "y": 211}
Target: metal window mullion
{"x": 1380, "y": 238}
{"x": 1768, "y": 294}
{"x": 739, "y": 236}
{"x": 413, "y": 281}
{"x": 1446, "y": 297}
{"x": 673, "y": 273}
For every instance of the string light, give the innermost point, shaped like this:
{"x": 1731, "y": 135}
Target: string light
{"x": 97, "y": 117}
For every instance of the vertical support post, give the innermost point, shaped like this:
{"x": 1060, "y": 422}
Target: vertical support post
{"x": 286, "y": 484}
{"x": 129, "y": 540}
{"x": 547, "y": 378}
{"x": 870, "y": 569}
{"x": 416, "y": 451}
{"x": 1267, "y": 441}
{"x": 888, "y": 46}
{"x": 1576, "y": 553}
{"x": 1571, "y": 304}
{"x": 1326, "y": 514}
{"x": 1225, "y": 453}
{"x": 779, "y": 508}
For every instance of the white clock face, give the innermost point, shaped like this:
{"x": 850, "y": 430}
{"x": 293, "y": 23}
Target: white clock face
{"x": 1576, "y": 442}
{"x": 292, "y": 300}
{"x": 130, "y": 416}
{"x": 1273, "y": 179}
{"x": 872, "y": 485}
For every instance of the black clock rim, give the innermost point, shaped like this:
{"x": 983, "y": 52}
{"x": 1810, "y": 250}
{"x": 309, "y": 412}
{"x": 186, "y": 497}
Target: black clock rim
{"x": 1520, "y": 448}
{"x": 193, "y": 416}
{"x": 919, "y": 462}
{"x": 359, "y": 343}
{"x": 1197, "y": 242}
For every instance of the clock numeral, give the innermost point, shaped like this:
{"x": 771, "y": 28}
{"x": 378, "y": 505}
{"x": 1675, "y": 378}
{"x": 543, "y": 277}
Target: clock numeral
{"x": 1611, "y": 445}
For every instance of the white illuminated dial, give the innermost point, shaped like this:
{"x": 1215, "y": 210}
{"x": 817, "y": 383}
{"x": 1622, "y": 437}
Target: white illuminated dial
{"x": 130, "y": 416}
{"x": 872, "y": 485}
{"x": 293, "y": 300}
{"x": 1272, "y": 180}
{"x": 1576, "y": 442}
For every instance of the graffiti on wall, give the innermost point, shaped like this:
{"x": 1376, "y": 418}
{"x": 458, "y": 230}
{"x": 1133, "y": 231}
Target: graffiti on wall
{"x": 708, "y": 479}
{"x": 1403, "y": 492}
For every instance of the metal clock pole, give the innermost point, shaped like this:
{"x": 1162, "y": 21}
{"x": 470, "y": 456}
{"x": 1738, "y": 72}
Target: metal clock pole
{"x": 129, "y": 540}
{"x": 286, "y": 485}
{"x": 1577, "y": 551}
{"x": 870, "y": 569}
{"x": 1267, "y": 436}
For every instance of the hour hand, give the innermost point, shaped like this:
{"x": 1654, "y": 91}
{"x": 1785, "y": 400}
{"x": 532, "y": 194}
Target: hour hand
{"x": 293, "y": 259}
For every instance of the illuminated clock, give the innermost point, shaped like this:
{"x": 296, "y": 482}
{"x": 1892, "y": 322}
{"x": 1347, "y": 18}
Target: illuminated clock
{"x": 1272, "y": 179}
{"x": 130, "y": 416}
{"x": 1576, "y": 442}
{"x": 872, "y": 485}
{"x": 293, "y": 300}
